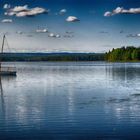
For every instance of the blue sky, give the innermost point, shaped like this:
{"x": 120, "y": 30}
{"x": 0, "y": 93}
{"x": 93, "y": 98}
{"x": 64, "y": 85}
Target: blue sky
{"x": 97, "y": 27}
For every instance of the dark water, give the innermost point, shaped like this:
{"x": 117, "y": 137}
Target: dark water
{"x": 71, "y": 101}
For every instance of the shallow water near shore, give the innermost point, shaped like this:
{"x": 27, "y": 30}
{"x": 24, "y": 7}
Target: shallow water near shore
{"x": 70, "y": 101}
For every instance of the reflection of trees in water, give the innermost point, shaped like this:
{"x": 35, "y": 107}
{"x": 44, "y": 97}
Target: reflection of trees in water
{"x": 123, "y": 72}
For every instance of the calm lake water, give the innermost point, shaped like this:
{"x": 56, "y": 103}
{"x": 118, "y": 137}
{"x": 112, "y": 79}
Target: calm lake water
{"x": 71, "y": 101}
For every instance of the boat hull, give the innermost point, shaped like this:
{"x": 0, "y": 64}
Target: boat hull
{"x": 8, "y": 73}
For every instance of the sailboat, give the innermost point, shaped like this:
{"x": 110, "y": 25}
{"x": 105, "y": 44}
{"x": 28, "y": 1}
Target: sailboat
{"x": 6, "y": 71}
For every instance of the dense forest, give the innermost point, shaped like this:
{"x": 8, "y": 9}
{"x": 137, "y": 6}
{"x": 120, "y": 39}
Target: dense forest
{"x": 52, "y": 57}
{"x": 123, "y": 54}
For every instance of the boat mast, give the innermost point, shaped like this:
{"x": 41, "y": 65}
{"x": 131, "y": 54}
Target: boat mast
{"x": 2, "y": 49}
{"x": 3, "y": 43}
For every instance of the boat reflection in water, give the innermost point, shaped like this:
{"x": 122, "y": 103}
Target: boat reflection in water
{"x": 2, "y": 98}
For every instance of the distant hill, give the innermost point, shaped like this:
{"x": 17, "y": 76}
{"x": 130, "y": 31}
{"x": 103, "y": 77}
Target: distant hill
{"x": 52, "y": 56}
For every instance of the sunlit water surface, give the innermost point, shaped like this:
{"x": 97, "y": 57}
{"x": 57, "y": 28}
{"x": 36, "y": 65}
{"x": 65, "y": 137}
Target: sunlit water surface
{"x": 71, "y": 101}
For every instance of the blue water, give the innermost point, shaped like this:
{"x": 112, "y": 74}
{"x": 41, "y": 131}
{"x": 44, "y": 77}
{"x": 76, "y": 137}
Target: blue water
{"x": 71, "y": 101}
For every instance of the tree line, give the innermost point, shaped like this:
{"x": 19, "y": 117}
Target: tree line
{"x": 129, "y": 53}
{"x": 52, "y": 57}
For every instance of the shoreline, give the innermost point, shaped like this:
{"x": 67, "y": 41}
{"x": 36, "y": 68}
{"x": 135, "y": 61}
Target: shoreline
{"x": 53, "y": 61}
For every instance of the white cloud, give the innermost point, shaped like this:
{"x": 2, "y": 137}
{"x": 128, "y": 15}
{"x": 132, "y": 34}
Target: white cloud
{"x": 23, "y": 11}
{"x": 21, "y": 14}
{"x": 35, "y": 11}
{"x": 133, "y": 35}
{"x": 7, "y": 21}
{"x": 54, "y": 35}
{"x": 51, "y": 35}
{"x": 107, "y": 14}
{"x": 72, "y": 19}
{"x": 41, "y": 30}
{"x": 9, "y": 13}
{"x": 62, "y": 12}
{"x": 57, "y": 36}
{"x": 20, "y": 8}
{"x": 118, "y": 10}
{"x": 121, "y": 10}
{"x": 6, "y": 6}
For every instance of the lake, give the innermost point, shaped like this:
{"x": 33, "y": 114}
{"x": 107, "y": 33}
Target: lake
{"x": 71, "y": 101}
